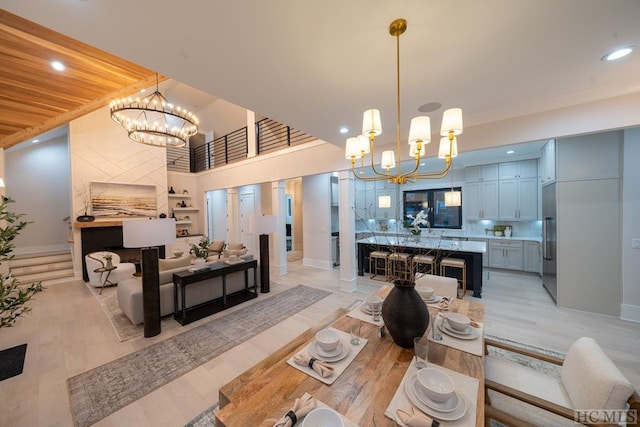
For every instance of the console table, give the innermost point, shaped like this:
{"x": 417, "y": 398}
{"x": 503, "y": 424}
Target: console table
{"x": 183, "y": 279}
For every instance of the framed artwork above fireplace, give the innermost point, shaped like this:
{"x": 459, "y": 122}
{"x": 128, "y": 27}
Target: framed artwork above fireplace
{"x": 113, "y": 200}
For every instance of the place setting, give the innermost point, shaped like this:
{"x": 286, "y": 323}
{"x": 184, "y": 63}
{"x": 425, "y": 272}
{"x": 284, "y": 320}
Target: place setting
{"x": 329, "y": 354}
{"x": 432, "y": 299}
{"x": 430, "y": 393}
{"x": 370, "y": 311}
{"x": 307, "y": 411}
{"x": 458, "y": 331}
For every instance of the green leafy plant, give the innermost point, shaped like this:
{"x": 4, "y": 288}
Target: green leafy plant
{"x": 13, "y": 297}
{"x": 201, "y": 250}
{"x": 499, "y": 228}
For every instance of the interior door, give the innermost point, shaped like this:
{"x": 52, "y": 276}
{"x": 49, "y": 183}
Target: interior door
{"x": 247, "y": 209}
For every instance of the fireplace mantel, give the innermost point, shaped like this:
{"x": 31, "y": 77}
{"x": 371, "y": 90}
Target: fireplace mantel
{"x": 94, "y": 224}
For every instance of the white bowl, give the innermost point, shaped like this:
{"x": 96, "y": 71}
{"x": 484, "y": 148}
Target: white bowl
{"x": 459, "y": 322}
{"x": 322, "y": 417}
{"x": 373, "y": 300}
{"x": 327, "y": 339}
{"x": 437, "y": 385}
{"x": 424, "y": 291}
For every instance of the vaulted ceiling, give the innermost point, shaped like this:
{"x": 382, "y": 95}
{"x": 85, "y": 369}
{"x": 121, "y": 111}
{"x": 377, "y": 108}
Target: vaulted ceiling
{"x": 35, "y": 98}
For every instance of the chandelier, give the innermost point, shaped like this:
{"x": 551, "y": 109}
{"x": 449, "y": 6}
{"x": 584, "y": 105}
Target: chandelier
{"x": 153, "y": 120}
{"x": 419, "y": 136}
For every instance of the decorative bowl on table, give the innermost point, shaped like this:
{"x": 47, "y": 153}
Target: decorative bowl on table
{"x": 437, "y": 385}
{"x": 327, "y": 339}
{"x": 177, "y": 254}
{"x": 458, "y": 322}
{"x": 322, "y": 417}
{"x": 425, "y": 291}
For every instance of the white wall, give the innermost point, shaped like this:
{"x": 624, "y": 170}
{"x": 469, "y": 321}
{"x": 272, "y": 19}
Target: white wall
{"x": 630, "y": 309}
{"x": 37, "y": 178}
{"x": 221, "y": 117}
{"x": 102, "y": 152}
{"x": 316, "y": 210}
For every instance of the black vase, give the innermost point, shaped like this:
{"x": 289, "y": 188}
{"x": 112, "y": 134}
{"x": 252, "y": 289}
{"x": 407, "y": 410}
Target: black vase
{"x": 85, "y": 218}
{"x": 404, "y": 313}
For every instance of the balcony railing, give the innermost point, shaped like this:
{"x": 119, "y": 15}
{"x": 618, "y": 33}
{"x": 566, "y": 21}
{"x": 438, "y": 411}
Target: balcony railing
{"x": 233, "y": 147}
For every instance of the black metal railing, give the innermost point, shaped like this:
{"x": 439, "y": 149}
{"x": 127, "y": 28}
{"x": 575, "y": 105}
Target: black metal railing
{"x": 234, "y": 147}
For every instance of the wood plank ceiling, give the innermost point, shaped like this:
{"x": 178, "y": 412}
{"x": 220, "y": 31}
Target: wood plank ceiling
{"x": 34, "y": 98}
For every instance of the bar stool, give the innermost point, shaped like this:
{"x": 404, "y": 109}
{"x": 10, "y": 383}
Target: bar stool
{"x": 455, "y": 263}
{"x": 375, "y": 258}
{"x": 419, "y": 260}
{"x": 400, "y": 266}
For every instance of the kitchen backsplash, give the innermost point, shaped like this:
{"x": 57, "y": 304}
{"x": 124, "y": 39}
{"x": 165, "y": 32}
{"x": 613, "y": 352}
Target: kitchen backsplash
{"x": 519, "y": 228}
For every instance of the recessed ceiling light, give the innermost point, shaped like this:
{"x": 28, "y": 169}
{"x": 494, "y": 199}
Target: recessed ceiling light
{"x": 35, "y": 141}
{"x": 344, "y": 129}
{"x": 618, "y": 53}
{"x": 58, "y": 66}
{"x": 429, "y": 107}
{"x": 510, "y": 152}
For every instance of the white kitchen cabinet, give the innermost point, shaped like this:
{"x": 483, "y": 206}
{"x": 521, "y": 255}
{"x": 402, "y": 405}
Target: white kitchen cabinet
{"x": 519, "y": 169}
{"x": 506, "y": 254}
{"x": 481, "y": 200}
{"x": 532, "y": 257}
{"x": 518, "y": 199}
{"x": 548, "y": 163}
{"x": 365, "y": 196}
{"x": 481, "y": 173}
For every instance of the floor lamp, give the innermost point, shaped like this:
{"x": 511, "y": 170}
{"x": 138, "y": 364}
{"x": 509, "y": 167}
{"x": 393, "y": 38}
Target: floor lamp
{"x": 148, "y": 235}
{"x": 263, "y": 225}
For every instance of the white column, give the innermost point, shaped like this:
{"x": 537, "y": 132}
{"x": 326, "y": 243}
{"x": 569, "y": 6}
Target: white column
{"x": 251, "y": 134}
{"x": 233, "y": 215}
{"x": 346, "y": 213}
{"x": 278, "y": 241}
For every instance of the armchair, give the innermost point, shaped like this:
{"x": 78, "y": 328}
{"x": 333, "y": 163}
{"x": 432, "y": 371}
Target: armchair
{"x": 215, "y": 248}
{"x": 237, "y": 249}
{"x": 95, "y": 260}
{"x": 516, "y": 395}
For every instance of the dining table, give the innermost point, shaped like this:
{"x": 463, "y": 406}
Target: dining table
{"x": 362, "y": 393}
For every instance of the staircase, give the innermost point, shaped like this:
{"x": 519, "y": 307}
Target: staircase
{"x": 49, "y": 268}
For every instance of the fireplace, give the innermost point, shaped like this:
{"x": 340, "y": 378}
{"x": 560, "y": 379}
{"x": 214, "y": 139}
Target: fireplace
{"x": 97, "y": 238}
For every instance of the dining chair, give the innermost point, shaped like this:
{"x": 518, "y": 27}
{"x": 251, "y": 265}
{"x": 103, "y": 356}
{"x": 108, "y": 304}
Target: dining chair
{"x": 590, "y": 389}
{"x": 441, "y": 285}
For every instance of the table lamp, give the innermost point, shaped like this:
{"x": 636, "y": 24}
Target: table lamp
{"x": 148, "y": 234}
{"x": 263, "y": 225}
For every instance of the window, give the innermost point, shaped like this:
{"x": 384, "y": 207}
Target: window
{"x": 432, "y": 203}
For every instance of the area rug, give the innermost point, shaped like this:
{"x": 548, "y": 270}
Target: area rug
{"x": 102, "y": 391}
{"x": 12, "y": 361}
{"x": 207, "y": 417}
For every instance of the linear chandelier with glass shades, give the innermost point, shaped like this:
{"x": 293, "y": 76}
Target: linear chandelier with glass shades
{"x": 419, "y": 136}
{"x": 153, "y": 120}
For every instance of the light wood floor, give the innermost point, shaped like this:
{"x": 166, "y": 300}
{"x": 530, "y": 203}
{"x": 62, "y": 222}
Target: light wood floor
{"x": 67, "y": 333}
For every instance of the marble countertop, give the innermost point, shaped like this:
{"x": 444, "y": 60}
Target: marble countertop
{"x": 454, "y": 234}
{"x": 426, "y": 243}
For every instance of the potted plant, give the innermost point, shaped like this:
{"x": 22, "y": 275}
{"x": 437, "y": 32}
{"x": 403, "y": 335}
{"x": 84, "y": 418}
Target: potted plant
{"x": 108, "y": 257}
{"x": 13, "y": 298}
{"x": 498, "y": 230}
{"x": 200, "y": 250}
{"x": 84, "y": 192}
{"x": 417, "y": 221}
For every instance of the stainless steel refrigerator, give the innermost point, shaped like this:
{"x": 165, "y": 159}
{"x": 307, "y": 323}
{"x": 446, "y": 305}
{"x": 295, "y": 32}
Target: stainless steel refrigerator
{"x": 549, "y": 240}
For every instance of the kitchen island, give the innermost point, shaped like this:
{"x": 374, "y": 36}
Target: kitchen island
{"x": 471, "y": 252}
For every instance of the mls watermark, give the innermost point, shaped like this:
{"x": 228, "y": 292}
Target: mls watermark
{"x": 605, "y": 416}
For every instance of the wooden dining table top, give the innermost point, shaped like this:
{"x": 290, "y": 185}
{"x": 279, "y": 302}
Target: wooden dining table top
{"x": 265, "y": 392}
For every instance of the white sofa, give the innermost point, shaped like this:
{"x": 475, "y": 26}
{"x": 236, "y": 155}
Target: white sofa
{"x": 130, "y": 290}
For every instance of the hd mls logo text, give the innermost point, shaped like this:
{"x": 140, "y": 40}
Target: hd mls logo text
{"x": 599, "y": 416}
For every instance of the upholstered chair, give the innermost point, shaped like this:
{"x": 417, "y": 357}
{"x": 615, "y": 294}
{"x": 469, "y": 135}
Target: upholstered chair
{"x": 215, "y": 250}
{"x": 96, "y": 260}
{"x": 588, "y": 380}
{"x": 237, "y": 249}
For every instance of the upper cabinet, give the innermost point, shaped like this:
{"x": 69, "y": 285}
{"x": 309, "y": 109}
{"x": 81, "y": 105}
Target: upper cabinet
{"x": 521, "y": 169}
{"x": 548, "y": 163}
{"x": 481, "y": 173}
{"x": 481, "y": 200}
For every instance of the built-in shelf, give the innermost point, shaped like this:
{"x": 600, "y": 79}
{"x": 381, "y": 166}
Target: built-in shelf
{"x": 191, "y": 209}
{"x": 179, "y": 196}
{"x": 183, "y": 222}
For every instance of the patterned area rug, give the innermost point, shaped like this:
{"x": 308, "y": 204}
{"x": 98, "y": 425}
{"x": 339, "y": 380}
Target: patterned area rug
{"x": 207, "y": 417}
{"x": 125, "y": 330}
{"x": 102, "y": 391}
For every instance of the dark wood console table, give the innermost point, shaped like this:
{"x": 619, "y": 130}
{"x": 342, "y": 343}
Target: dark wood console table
{"x": 184, "y": 278}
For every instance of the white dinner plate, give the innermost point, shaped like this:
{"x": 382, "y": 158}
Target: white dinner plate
{"x": 313, "y": 350}
{"x": 365, "y": 308}
{"x": 468, "y": 331}
{"x": 442, "y": 325}
{"x": 324, "y": 353}
{"x": 457, "y": 413}
{"x": 434, "y": 299}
